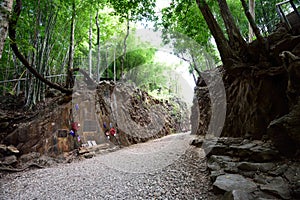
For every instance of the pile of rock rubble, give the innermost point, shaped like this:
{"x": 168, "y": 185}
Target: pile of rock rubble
{"x": 250, "y": 169}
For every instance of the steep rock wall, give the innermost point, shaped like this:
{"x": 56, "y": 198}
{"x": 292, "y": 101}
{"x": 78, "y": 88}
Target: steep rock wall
{"x": 136, "y": 116}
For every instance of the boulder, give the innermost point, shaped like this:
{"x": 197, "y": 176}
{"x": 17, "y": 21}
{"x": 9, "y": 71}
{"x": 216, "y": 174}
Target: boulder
{"x": 13, "y": 149}
{"x": 215, "y": 149}
{"x": 10, "y": 160}
{"x": 284, "y": 131}
{"x": 249, "y": 166}
{"x": 278, "y": 170}
{"x": 242, "y": 150}
{"x": 3, "y": 149}
{"x": 215, "y": 174}
{"x": 264, "y": 154}
{"x": 236, "y": 195}
{"x": 29, "y": 156}
{"x": 89, "y": 155}
{"x": 197, "y": 142}
{"x": 277, "y": 186}
{"x": 230, "y": 182}
{"x": 292, "y": 174}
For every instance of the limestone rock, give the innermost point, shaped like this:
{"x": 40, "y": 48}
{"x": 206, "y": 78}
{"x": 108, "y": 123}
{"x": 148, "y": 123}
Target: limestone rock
{"x": 229, "y": 182}
{"x": 13, "y": 149}
{"x": 284, "y": 131}
{"x": 213, "y": 166}
{"x": 4, "y": 125}
{"x": 89, "y": 155}
{"x": 30, "y": 156}
{"x": 215, "y": 174}
{"x": 264, "y": 154}
{"x": 45, "y": 161}
{"x": 278, "y": 170}
{"x": 278, "y": 187}
{"x": 3, "y": 149}
{"x": 215, "y": 149}
{"x": 236, "y": 195}
{"x": 292, "y": 174}
{"x": 197, "y": 142}
{"x": 83, "y": 151}
{"x": 10, "y": 160}
{"x": 248, "y": 166}
{"x": 260, "y": 178}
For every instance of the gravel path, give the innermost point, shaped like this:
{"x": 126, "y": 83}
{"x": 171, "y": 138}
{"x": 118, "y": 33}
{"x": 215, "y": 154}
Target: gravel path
{"x": 167, "y": 168}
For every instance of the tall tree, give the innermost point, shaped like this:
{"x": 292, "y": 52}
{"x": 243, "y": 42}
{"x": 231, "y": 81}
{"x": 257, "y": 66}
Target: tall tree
{"x": 90, "y": 45}
{"x": 12, "y": 34}
{"x": 98, "y": 46}
{"x": 125, "y": 45}
{"x": 252, "y": 12}
{"x": 226, "y": 52}
{"x": 132, "y": 10}
{"x": 236, "y": 40}
{"x": 69, "y": 81}
{"x": 5, "y": 9}
{"x": 234, "y": 50}
{"x": 255, "y": 28}
{"x": 185, "y": 28}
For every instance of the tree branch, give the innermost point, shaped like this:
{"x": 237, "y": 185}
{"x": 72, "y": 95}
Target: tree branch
{"x": 255, "y": 29}
{"x": 227, "y": 55}
{"x": 12, "y": 34}
{"x": 236, "y": 40}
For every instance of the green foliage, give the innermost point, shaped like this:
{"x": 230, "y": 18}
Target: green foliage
{"x": 133, "y": 10}
{"x": 48, "y": 23}
{"x": 185, "y": 28}
{"x": 158, "y": 79}
{"x": 266, "y": 15}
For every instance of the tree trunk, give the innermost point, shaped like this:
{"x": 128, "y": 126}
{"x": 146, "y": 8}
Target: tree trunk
{"x": 98, "y": 47}
{"x": 90, "y": 46}
{"x": 227, "y": 55}
{"x": 13, "y": 44}
{"x": 70, "y": 81}
{"x": 5, "y": 9}
{"x": 252, "y": 12}
{"x": 195, "y": 64}
{"x": 255, "y": 29}
{"x": 236, "y": 40}
{"x": 115, "y": 65}
{"x": 106, "y": 62}
{"x": 124, "y": 47}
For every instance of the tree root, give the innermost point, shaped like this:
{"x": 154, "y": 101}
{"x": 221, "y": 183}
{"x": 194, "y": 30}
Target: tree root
{"x": 9, "y": 169}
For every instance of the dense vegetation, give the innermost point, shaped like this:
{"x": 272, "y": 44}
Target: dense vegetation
{"x": 56, "y": 37}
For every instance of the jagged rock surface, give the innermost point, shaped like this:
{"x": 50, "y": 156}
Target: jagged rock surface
{"x": 45, "y": 131}
{"x": 250, "y": 169}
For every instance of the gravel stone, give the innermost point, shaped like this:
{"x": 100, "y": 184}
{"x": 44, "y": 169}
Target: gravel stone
{"x": 166, "y": 168}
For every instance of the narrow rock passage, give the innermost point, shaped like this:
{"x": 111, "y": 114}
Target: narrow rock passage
{"x": 166, "y": 168}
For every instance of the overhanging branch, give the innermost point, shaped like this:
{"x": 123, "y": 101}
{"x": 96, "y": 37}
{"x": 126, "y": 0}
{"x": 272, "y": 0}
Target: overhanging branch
{"x": 12, "y": 34}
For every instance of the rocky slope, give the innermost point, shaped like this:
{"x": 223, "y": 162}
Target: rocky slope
{"x": 244, "y": 169}
{"x": 45, "y": 130}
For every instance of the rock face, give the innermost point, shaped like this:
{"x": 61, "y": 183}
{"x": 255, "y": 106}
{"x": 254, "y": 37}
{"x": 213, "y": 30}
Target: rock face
{"x": 136, "y": 117}
{"x": 285, "y": 130}
{"x": 250, "y": 169}
{"x": 261, "y": 98}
